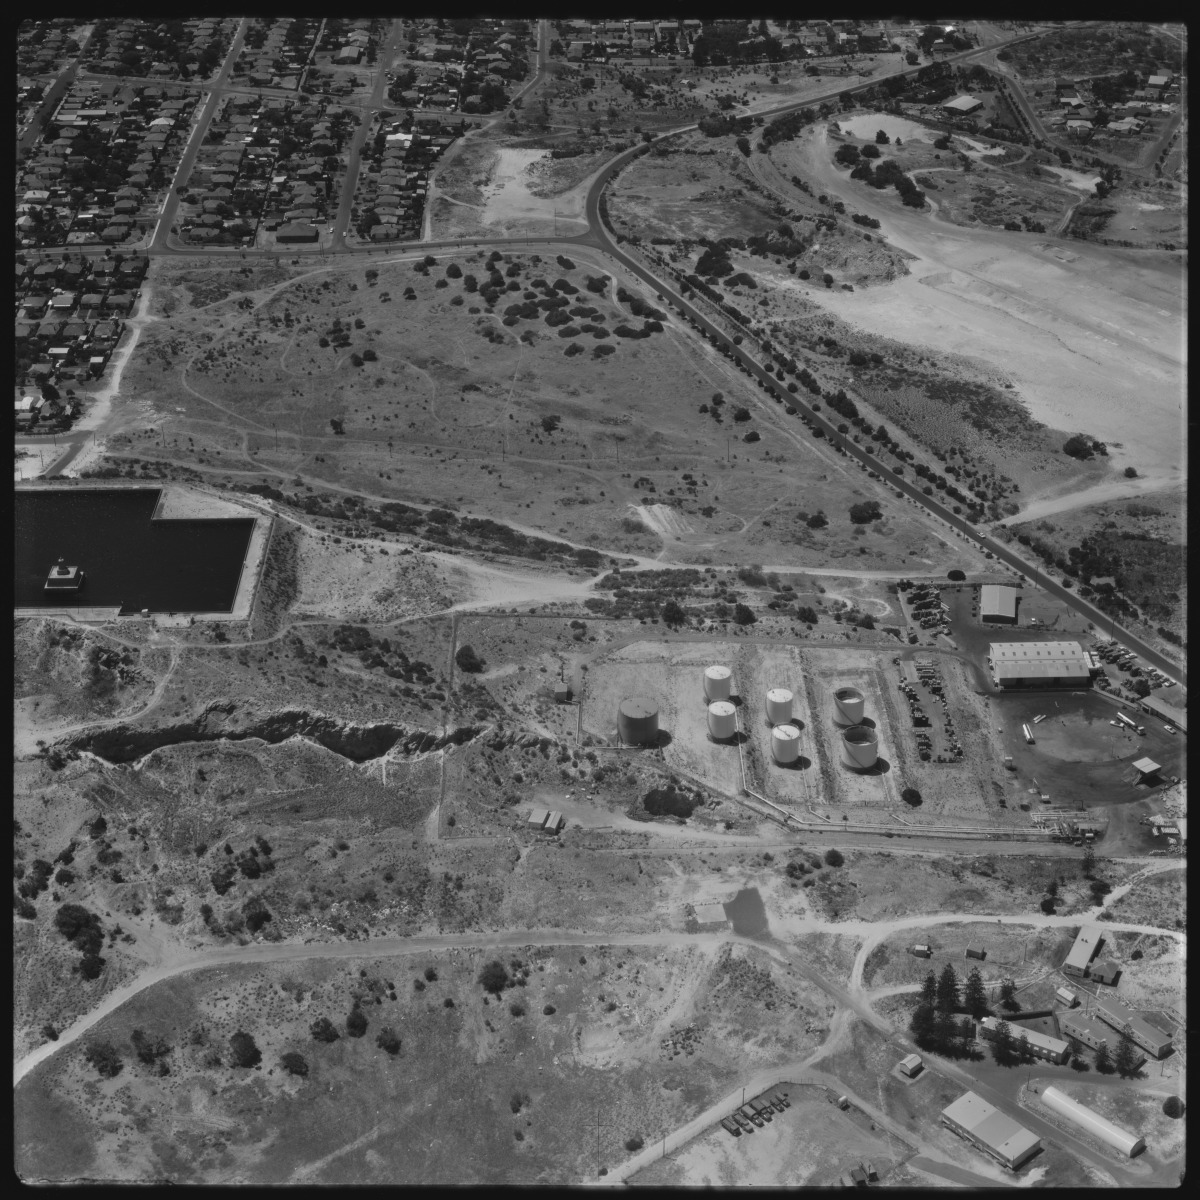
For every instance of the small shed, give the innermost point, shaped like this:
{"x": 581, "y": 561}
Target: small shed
{"x": 1067, "y": 997}
{"x": 1146, "y": 767}
{"x": 976, "y": 952}
{"x": 537, "y": 818}
{"x": 562, "y": 693}
{"x": 911, "y": 1065}
{"x": 921, "y": 951}
{"x": 554, "y": 822}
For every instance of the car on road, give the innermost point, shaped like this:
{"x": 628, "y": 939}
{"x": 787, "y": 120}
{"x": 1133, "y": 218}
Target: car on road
{"x": 1169, "y": 729}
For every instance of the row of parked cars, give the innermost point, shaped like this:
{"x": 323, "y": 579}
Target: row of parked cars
{"x": 755, "y": 1114}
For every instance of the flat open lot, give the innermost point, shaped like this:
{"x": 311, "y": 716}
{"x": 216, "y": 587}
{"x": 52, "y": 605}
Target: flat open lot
{"x": 810, "y": 1144}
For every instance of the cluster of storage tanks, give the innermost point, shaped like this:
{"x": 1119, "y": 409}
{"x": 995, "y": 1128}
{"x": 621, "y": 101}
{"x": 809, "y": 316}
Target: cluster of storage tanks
{"x": 637, "y": 720}
{"x": 860, "y": 743}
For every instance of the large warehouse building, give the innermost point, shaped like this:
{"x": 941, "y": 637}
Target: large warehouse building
{"x": 998, "y": 605}
{"x": 985, "y": 1126}
{"x": 1039, "y": 664}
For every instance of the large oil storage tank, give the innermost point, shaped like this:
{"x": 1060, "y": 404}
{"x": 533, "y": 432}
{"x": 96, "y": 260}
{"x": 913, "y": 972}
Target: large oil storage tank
{"x": 1120, "y": 1139}
{"x": 848, "y": 705}
{"x": 722, "y": 719}
{"x": 779, "y": 706}
{"x": 718, "y": 683}
{"x": 785, "y": 743}
{"x": 637, "y": 721}
{"x": 860, "y": 747}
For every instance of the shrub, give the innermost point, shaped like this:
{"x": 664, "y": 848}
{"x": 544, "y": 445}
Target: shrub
{"x": 955, "y": 575}
{"x": 467, "y": 660}
{"x": 635, "y": 1142}
{"x": 494, "y": 977}
{"x": 356, "y": 1022}
{"x": 388, "y": 1041}
{"x": 549, "y": 1010}
{"x": 294, "y": 1064}
{"x": 245, "y": 1052}
{"x": 743, "y": 615}
{"x": 833, "y": 858}
{"x": 911, "y": 795}
{"x": 517, "y": 1009}
{"x": 105, "y": 1057}
{"x": 1173, "y": 1107}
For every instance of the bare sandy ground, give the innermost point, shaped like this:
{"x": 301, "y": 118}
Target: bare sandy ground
{"x": 1092, "y": 337}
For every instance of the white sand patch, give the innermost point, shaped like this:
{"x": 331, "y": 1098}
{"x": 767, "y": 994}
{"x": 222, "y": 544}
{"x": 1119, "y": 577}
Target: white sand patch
{"x": 866, "y": 125}
{"x": 88, "y": 457}
{"x": 1144, "y": 207}
{"x": 662, "y": 519}
{"x": 508, "y": 198}
{"x": 1075, "y": 179}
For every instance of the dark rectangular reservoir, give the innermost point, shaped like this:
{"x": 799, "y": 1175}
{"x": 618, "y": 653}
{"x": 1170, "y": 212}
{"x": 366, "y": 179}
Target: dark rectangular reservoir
{"x": 129, "y": 560}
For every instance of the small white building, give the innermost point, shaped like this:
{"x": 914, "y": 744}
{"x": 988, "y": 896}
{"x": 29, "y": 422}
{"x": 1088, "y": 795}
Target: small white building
{"x": 911, "y": 1065}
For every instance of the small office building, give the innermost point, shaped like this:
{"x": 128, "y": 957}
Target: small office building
{"x": 1151, "y": 1039}
{"x": 1040, "y": 1046}
{"x": 1087, "y": 946}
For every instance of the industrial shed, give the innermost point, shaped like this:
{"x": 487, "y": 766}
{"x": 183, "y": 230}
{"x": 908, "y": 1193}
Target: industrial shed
{"x": 1154, "y": 706}
{"x": 998, "y": 605}
{"x": 1039, "y": 664}
{"x": 986, "y": 1127}
{"x": 1120, "y": 1139}
{"x": 961, "y": 105}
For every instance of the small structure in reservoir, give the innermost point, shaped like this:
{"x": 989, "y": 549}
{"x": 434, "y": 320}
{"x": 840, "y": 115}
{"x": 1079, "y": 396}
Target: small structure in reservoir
{"x": 779, "y": 706}
{"x": 718, "y": 683}
{"x": 722, "y": 720}
{"x": 785, "y": 744}
{"x": 637, "y": 721}
{"x": 860, "y": 747}
{"x": 849, "y": 706}
{"x": 1119, "y": 1139}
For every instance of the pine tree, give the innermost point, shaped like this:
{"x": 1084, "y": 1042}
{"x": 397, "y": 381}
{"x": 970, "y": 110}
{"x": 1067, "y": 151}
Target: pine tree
{"x": 947, "y": 989}
{"x": 945, "y": 1029}
{"x": 1089, "y": 860}
{"x": 1008, "y": 995}
{"x": 975, "y": 995}
{"x": 1104, "y": 1060}
{"x": 966, "y": 1037}
{"x": 921, "y": 1025}
{"x": 929, "y": 990}
{"x": 1002, "y": 1045}
{"x": 1127, "y": 1060}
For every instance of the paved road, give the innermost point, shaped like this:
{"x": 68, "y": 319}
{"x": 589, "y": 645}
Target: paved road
{"x": 162, "y": 231}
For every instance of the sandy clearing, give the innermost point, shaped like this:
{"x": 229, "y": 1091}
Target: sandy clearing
{"x": 490, "y": 586}
{"x": 507, "y": 198}
{"x": 1096, "y": 326}
{"x": 662, "y": 519}
{"x": 1101, "y": 493}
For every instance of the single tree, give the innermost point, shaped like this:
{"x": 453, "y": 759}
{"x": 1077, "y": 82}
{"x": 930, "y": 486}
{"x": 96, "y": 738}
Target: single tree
{"x": 1002, "y": 1045}
{"x": 743, "y": 615}
{"x": 945, "y": 1031}
{"x": 324, "y": 1030}
{"x": 1008, "y": 995}
{"x": 921, "y": 1025}
{"x": 1103, "y": 1059}
{"x": 356, "y": 1022}
{"x": 673, "y": 615}
{"x": 245, "y": 1052}
{"x": 1127, "y": 1060}
{"x": 1089, "y": 860}
{"x": 494, "y": 977}
{"x": 947, "y": 989}
{"x": 294, "y": 1064}
{"x": 105, "y": 1057}
{"x": 833, "y": 858}
{"x": 911, "y": 795}
{"x": 975, "y": 994}
{"x": 387, "y": 1040}
{"x": 1173, "y": 1107}
{"x": 966, "y": 1037}
{"x": 467, "y": 660}
{"x": 1052, "y": 889}
{"x": 929, "y": 990}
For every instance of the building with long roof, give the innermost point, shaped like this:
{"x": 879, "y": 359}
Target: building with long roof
{"x": 1039, "y": 664}
{"x": 997, "y": 604}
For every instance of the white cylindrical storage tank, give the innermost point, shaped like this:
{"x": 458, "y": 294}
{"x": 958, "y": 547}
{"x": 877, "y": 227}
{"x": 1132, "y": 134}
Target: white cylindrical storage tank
{"x": 718, "y": 683}
{"x": 785, "y": 743}
{"x": 722, "y": 719}
{"x": 860, "y": 747}
{"x": 1093, "y": 1122}
{"x": 779, "y": 706}
{"x": 848, "y": 705}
